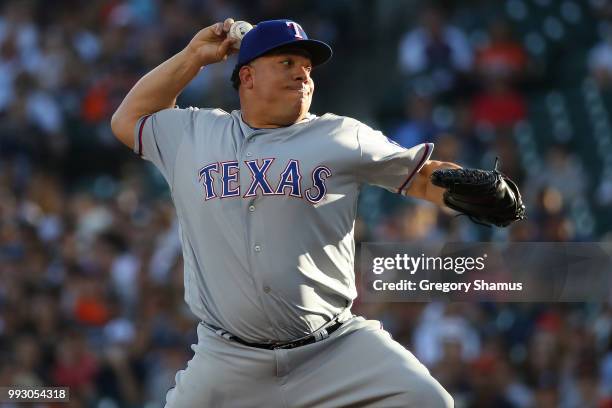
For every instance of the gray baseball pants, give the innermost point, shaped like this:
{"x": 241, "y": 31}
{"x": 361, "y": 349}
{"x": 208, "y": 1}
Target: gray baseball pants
{"x": 359, "y": 365}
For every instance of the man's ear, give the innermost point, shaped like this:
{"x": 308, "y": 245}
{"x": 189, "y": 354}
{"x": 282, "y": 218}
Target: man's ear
{"x": 246, "y": 76}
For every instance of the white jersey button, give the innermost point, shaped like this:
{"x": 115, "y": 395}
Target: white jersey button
{"x": 251, "y": 208}
{"x": 257, "y": 248}
{"x": 249, "y": 154}
{"x": 266, "y": 289}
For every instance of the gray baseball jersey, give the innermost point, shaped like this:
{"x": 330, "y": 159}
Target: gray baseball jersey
{"x": 267, "y": 215}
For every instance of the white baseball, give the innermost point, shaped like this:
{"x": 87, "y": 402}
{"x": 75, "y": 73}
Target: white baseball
{"x": 238, "y": 30}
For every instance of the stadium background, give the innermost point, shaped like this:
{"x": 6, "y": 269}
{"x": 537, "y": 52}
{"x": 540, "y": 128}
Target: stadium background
{"x": 91, "y": 290}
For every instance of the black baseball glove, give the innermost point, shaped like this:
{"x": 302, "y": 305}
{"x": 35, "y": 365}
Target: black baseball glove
{"x": 486, "y": 196}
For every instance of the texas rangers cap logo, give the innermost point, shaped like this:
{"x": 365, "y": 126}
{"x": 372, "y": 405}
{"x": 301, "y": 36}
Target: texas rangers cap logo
{"x": 298, "y": 30}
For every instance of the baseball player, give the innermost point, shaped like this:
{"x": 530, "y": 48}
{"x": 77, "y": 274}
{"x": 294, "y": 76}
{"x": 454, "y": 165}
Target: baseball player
{"x": 266, "y": 198}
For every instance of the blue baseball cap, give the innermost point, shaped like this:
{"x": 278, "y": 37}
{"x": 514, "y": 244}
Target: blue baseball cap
{"x": 272, "y": 34}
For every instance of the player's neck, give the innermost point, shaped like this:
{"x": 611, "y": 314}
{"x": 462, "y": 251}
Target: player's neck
{"x": 261, "y": 122}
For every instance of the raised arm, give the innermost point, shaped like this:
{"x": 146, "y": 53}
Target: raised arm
{"x": 422, "y": 187}
{"x": 159, "y": 88}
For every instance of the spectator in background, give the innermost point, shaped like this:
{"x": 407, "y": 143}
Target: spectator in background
{"x": 503, "y": 56}
{"x": 605, "y": 367}
{"x": 19, "y": 137}
{"x": 451, "y": 368}
{"x": 547, "y": 395}
{"x": 417, "y": 223}
{"x": 565, "y": 175}
{"x": 473, "y": 148}
{"x": 499, "y": 67}
{"x": 18, "y": 46}
{"x": 436, "y": 52}
{"x": 440, "y": 325}
{"x": 504, "y": 147}
{"x": 550, "y": 212}
{"x": 113, "y": 254}
{"x": 91, "y": 304}
{"x": 76, "y": 365}
{"x": 448, "y": 147}
{"x": 486, "y": 391}
{"x": 582, "y": 386}
{"x": 545, "y": 348}
{"x": 498, "y": 105}
{"x": 122, "y": 372}
{"x": 515, "y": 391}
{"x": 600, "y": 58}
{"x": 9, "y": 68}
{"x": 27, "y": 356}
{"x": 602, "y": 9}
{"x": 417, "y": 125}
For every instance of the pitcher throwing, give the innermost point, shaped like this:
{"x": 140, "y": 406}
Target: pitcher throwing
{"x": 266, "y": 197}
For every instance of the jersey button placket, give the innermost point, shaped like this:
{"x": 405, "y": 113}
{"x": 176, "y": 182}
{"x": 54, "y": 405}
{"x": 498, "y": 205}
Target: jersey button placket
{"x": 247, "y": 153}
{"x": 251, "y": 207}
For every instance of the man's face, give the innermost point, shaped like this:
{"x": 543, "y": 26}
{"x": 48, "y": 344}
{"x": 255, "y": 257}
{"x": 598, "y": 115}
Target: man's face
{"x": 281, "y": 83}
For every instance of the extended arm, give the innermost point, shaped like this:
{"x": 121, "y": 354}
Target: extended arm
{"x": 422, "y": 187}
{"x": 159, "y": 88}
{"x": 487, "y": 197}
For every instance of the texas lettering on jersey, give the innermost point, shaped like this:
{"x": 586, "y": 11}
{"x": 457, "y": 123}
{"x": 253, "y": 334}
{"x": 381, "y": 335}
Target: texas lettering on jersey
{"x": 289, "y": 180}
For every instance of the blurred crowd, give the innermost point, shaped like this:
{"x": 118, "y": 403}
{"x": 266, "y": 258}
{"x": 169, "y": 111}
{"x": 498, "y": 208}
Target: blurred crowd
{"x": 91, "y": 283}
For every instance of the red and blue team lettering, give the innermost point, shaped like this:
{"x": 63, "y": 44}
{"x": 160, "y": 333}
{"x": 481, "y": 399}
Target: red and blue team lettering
{"x": 290, "y": 180}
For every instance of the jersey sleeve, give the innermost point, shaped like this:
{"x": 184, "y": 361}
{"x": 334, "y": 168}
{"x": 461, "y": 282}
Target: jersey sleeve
{"x": 159, "y": 135}
{"x": 385, "y": 163}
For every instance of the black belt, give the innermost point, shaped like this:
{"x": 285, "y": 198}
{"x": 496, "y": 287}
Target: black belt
{"x": 318, "y": 335}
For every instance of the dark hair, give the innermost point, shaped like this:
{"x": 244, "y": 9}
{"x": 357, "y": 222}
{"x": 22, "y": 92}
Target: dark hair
{"x": 235, "y": 78}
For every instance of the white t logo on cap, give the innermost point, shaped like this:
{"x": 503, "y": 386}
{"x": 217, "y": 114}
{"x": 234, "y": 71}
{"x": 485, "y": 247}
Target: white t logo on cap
{"x": 296, "y": 28}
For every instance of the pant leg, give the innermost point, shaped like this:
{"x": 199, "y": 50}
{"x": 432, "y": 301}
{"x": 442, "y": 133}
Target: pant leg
{"x": 360, "y": 365}
{"x": 226, "y": 374}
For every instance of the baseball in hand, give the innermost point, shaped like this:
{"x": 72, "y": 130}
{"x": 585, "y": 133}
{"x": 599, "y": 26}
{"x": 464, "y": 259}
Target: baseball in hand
{"x": 238, "y": 30}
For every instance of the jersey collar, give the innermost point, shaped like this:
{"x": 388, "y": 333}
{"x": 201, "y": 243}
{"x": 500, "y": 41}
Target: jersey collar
{"x": 249, "y": 131}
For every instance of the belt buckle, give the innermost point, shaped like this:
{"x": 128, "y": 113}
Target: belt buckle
{"x": 320, "y": 335}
